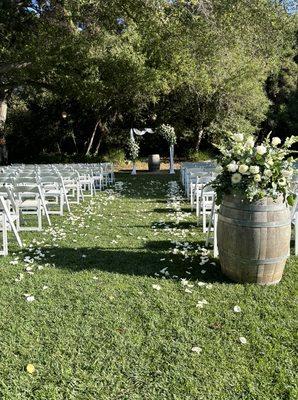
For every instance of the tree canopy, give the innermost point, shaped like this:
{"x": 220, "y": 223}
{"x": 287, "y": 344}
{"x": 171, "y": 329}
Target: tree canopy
{"x": 204, "y": 66}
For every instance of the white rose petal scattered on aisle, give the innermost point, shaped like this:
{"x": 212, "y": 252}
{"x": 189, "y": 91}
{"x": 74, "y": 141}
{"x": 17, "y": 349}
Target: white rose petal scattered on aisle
{"x": 196, "y": 349}
{"x": 156, "y": 287}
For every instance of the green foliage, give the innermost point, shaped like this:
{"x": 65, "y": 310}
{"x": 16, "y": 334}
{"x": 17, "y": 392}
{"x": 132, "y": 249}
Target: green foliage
{"x": 201, "y": 155}
{"x": 198, "y": 65}
{"x": 116, "y": 156}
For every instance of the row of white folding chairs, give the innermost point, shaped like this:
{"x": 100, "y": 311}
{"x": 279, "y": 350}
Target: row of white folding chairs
{"x": 186, "y": 167}
{"x": 32, "y": 189}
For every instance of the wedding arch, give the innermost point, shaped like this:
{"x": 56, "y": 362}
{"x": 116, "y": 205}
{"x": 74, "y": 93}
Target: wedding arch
{"x": 166, "y": 131}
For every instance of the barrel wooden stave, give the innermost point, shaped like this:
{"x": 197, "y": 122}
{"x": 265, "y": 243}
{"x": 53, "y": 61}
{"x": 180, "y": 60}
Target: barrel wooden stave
{"x": 253, "y": 239}
{"x": 154, "y": 162}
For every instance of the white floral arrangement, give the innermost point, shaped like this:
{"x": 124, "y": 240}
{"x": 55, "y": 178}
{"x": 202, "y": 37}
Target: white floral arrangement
{"x": 168, "y": 133}
{"x": 255, "y": 171}
{"x": 133, "y": 149}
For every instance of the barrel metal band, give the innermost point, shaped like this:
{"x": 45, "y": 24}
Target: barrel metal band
{"x": 253, "y": 261}
{"x": 252, "y": 224}
{"x": 257, "y": 208}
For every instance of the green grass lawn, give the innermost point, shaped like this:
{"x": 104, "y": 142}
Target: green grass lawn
{"x": 98, "y": 329}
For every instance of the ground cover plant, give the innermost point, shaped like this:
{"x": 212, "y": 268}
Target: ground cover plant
{"x": 120, "y": 300}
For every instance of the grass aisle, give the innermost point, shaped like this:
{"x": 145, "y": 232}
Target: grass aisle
{"x": 121, "y": 301}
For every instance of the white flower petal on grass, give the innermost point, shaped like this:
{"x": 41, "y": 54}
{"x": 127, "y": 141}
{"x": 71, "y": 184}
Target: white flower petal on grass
{"x": 209, "y": 286}
{"x": 237, "y": 309}
{"x": 242, "y": 340}
{"x": 201, "y": 283}
{"x": 156, "y": 287}
{"x": 196, "y": 349}
{"x": 45, "y": 287}
{"x": 188, "y": 290}
{"x": 30, "y": 298}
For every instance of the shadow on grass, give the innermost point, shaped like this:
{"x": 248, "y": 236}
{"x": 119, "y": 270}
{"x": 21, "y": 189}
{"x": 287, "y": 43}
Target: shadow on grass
{"x": 144, "y": 261}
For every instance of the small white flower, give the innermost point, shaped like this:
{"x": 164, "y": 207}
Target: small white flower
{"x": 45, "y": 287}
{"x": 156, "y": 287}
{"x": 188, "y": 290}
{"x": 257, "y": 178}
{"x": 275, "y": 141}
{"x": 201, "y": 284}
{"x": 287, "y": 173}
{"x": 232, "y": 167}
{"x": 30, "y": 298}
{"x": 282, "y": 182}
{"x": 242, "y": 340}
{"x": 243, "y": 168}
{"x": 250, "y": 142}
{"x": 261, "y": 150}
{"x": 254, "y": 169}
{"x": 196, "y": 349}
{"x": 237, "y": 309}
{"x": 236, "y": 178}
{"x": 268, "y": 173}
{"x": 238, "y": 137}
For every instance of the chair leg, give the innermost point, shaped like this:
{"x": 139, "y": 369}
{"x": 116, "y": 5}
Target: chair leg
{"x": 4, "y": 235}
{"x": 39, "y": 216}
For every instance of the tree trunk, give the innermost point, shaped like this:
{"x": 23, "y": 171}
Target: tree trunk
{"x": 199, "y": 139}
{"x": 92, "y": 138}
{"x": 104, "y": 131}
{"x": 3, "y": 115}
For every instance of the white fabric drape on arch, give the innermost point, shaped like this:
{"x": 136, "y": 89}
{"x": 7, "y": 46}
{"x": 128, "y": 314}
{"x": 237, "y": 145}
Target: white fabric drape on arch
{"x": 134, "y": 131}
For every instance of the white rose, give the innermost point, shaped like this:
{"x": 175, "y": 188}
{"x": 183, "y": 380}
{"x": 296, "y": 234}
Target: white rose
{"x": 232, "y": 167}
{"x": 282, "y": 182}
{"x": 269, "y": 161}
{"x": 261, "y": 149}
{"x": 257, "y": 178}
{"x": 254, "y": 169}
{"x": 286, "y": 173}
{"x": 275, "y": 141}
{"x": 243, "y": 168}
{"x": 238, "y": 137}
{"x": 250, "y": 142}
{"x": 236, "y": 178}
{"x": 268, "y": 173}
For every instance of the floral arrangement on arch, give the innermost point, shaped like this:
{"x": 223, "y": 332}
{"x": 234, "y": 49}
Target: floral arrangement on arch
{"x": 133, "y": 149}
{"x": 168, "y": 133}
{"x": 255, "y": 171}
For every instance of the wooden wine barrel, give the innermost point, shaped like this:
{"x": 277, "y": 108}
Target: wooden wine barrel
{"x": 253, "y": 239}
{"x": 154, "y": 162}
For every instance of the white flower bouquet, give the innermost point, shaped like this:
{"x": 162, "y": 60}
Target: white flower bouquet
{"x": 255, "y": 171}
{"x": 168, "y": 133}
{"x": 133, "y": 149}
